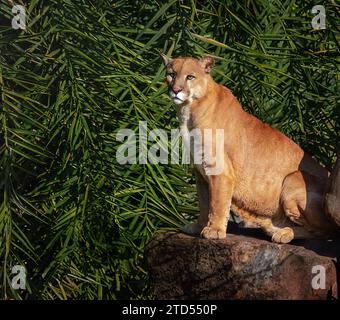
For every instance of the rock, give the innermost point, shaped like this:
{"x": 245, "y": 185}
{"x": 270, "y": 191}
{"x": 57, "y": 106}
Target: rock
{"x": 238, "y": 267}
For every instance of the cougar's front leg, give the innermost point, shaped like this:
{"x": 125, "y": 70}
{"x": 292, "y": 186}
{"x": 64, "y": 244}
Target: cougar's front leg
{"x": 202, "y": 188}
{"x": 221, "y": 189}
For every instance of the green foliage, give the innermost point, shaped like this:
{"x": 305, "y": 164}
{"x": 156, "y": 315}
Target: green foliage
{"x": 76, "y": 219}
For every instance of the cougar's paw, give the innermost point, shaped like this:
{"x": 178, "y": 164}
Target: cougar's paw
{"x": 212, "y": 233}
{"x": 283, "y": 235}
{"x": 193, "y": 229}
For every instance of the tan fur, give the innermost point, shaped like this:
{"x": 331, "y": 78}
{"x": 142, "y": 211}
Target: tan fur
{"x": 267, "y": 179}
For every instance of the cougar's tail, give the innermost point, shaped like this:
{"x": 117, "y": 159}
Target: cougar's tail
{"x": 332, "y": 198}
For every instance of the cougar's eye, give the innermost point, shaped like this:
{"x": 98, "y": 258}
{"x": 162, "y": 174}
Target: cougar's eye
{"x": 171, "y": 74}
{"x": 190, "y": 77}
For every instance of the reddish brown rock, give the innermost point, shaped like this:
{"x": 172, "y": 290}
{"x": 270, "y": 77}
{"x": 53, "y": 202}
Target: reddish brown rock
{"x": 238, "y": 267}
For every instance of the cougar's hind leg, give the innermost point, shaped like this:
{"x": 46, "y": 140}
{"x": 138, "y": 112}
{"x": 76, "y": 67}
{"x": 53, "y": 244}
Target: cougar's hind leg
{"x": 285, "y": 231}
{"x": 293, "y": 197}
{"x": 278, "y": 233}
{"x": 302, "y": 202}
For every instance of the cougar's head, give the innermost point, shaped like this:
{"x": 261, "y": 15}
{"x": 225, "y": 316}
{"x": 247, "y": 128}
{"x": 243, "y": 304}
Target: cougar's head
{"x": 187, "y": 77}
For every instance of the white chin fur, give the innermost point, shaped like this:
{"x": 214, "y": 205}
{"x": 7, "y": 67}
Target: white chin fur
{"x": 178, "y": 101}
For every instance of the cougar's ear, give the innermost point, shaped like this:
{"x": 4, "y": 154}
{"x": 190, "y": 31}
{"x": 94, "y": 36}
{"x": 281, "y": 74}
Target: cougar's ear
{"x": 207, "y": 63}
{"x": 166, "y": 59}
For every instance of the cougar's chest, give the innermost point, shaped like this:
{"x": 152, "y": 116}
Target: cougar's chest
{"x": 185, "y": 126}
{"x": 191, "y": 138}
{"x": 203, "y": 143}
{"x": 184, "y": 117}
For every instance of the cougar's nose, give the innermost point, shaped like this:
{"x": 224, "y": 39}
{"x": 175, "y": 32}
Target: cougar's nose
{"x": 176, "y": 90}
